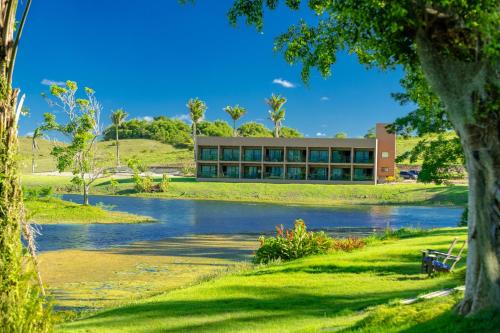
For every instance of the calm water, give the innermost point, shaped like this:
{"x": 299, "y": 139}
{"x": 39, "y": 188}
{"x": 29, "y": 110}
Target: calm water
{"x": 180, "y": 217}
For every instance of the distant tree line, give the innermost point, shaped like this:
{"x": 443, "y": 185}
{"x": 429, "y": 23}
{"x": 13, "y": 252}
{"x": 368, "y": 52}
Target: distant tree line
{"x": 178, "y": 133}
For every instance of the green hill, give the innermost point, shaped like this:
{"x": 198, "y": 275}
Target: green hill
{"x": 152, "y": 153}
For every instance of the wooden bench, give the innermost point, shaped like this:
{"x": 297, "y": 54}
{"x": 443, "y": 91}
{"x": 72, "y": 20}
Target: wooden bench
{"x": 435, "y": 261}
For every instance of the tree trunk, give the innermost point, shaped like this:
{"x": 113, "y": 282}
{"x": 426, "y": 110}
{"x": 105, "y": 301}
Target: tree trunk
{"x": 194, "y": 141}
{"x": 33, "y": 164}
{"x": 470, "y": 92}
{"x": 234, "y": 128}
{"x": 117, "y": 148}
{"x": 85, "y": 194}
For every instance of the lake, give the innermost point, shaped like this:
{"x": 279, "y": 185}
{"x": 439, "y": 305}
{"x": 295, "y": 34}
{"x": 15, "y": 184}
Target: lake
{"x": 181, "y": 217}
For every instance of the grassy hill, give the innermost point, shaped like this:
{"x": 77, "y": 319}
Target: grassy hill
{"x": 152, "y": 153}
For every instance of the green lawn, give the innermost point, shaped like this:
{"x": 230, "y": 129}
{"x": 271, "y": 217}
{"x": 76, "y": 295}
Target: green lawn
{"x": 337, "y": 292}
{"x": 52, "y": 211}
{"x": 152, "y": 153}
{"x": 307, "y": 194}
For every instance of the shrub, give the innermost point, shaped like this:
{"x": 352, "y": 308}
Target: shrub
{"x": 113, "y": 185}
{"x": 390, "y": 179}
{"x": 41, "y": 192}
{"x": 348, "y": 244}
{"x": 292, "y": 244}
{"x": 165, "y": 183}
{"x": 143, "y": 184}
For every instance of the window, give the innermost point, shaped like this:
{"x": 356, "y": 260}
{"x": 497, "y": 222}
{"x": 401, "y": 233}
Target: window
{"x": 317, "y": 155}
{"x": 341, "y": 156}
{"x": 363, "y": 156}
{"x": 230, "y": 171}
{"x": 295, "y": 173}
{"x": 341, "y": 174}
{"x": 361, "y": 174}
{"x": 295, "y": 155}
{"x": 207, "y": 171}
{"x": 274, "y": 154}
{"x": 385, "y": 169}
{"x": 252, "y": 172}
{"x": 273, "y": 172}
{"x": 252, "y": 154}
{"x": 208, "y": 154}
{"x": 230, "y": 154}
{"x": 385, "y": 154}
{"x": 318, "y": 173}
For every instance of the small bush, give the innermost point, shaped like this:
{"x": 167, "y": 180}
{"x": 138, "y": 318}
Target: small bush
{"x": 348, "y": 244}
{"x": 41, "y": 192}
{"x": 390, "y": 179}
{"x": 165, "y": 183}
{"x": 292, "y": 244}
{"x": 143, "y": 184}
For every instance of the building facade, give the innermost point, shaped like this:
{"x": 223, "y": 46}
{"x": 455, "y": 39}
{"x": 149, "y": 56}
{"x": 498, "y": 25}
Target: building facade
{"x": 296, "y": 160}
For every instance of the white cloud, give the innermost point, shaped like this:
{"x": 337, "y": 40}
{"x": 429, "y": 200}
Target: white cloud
{"x": 284, "y": 83}
{"x": 324, "y": 98}
{"x": 320, "y": 134}
{"x": 29, "y": 134}
{"x": 184, "y": 117}
{"x": 146, "y": 118}
{"x": 47, "y": 82}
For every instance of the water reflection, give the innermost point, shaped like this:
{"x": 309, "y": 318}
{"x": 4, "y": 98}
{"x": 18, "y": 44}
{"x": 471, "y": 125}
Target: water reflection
{"x": 180, "y": 217}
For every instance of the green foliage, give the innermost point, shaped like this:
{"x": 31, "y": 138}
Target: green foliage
{"x": 163, "y": 129}
{"x": 196, "y": 109}
{"x": 292, "y": 244}
{"x": 235, "y": 112}
{"x": 341, "y": 135}
{"x": 216, "y": 128}
{"x": 255, "y": 130}
{"x": 370, "y": 134}
{"x": 113, "y": 183}
{"x": 276, "y": 112}
{"x": 165, "y": 183}
{"x": 442, "y": 159}
{"x": 118, "y": 117}
{"x": 143, "y": 184}
{"x": 288, "y": 132}
{"x": 39, "y": 192}
{"x": 82, "y": 129}
{"x": 464, "y": 218}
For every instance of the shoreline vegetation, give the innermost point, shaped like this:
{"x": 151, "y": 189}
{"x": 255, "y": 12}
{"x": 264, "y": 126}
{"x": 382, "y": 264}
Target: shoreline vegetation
{"x": 295, "y": 194}
{"x": 57, "y": 211}
{"x": 338, "y": 290}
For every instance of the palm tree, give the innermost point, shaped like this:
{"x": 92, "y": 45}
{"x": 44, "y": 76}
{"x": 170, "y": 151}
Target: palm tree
{"x": 277, "y": 113}
{"x": 235, "y": 112}
{"x": 37, "y": 133}
{"x": 117, "y": 118}
{"x": 197, "y": 110}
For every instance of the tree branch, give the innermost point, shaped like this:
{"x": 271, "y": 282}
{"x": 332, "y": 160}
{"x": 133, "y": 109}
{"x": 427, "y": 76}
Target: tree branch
{"x": 16, "y": 42}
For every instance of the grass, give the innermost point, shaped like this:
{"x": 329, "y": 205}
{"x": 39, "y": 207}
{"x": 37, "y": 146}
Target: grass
{"x": 346, "y": 292}
{"x": 56, "y": 211}
{"x": 304, "y": 194}
{"x": 152, "y": 153}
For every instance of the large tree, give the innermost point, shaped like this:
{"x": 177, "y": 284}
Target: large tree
{"x": 21, "y": 300}
{"x": 455, "y": 44}
{"x": 117, "y": 118}
{"x": 82, "y": 129}
{"x": 277, "y": 112}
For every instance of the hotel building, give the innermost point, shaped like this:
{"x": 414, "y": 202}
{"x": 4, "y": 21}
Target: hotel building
{"x": 297, "y": 160}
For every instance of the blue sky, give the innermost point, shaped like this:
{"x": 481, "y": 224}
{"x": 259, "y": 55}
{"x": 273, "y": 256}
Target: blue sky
{"x": 150, "y": 57}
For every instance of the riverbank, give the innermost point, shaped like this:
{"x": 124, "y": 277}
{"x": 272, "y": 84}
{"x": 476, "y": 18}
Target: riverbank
{"x": 355, "y": 291}
{"x": 300, "y": 194}
{"x": 57, "y": 211}
{"x": 113, "y": 276}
